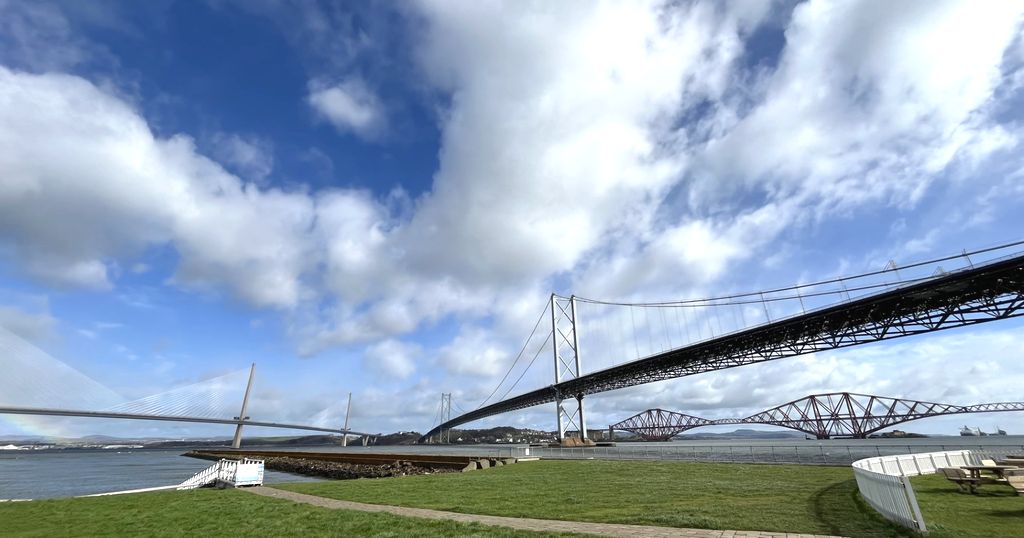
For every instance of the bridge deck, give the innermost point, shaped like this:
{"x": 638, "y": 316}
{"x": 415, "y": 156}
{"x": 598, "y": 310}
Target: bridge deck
{"x": 966, "y": 297}
{"x": 167, "y": 418}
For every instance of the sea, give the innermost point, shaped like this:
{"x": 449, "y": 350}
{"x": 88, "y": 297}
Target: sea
{"x": 55, "y": 473}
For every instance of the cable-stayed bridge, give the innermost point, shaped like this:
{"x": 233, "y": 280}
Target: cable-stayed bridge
{"x": 54, "y": 389}
{"x": 712, "y": 334}
{"x": 825, "y": 416}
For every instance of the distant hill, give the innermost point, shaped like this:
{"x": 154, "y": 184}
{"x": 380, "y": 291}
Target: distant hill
{"x": 397, "y": 438}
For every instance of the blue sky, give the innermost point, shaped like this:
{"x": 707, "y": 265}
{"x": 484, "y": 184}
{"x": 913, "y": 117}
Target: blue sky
{"x": 380, "y": 198}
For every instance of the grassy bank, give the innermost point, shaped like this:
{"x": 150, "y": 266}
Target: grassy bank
{"x": 796, "y": 499}
{"x": 210, "y": 512}
{"x": 995, "y": 511}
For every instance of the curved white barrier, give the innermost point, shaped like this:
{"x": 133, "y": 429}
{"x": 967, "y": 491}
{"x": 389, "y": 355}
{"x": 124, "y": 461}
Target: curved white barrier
{"x": 883, "y": 482}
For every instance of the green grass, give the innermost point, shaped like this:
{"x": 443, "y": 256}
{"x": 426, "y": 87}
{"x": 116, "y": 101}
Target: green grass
{"x": 209, "y": 512}
{"x": 995, "y": 511}
{"x": 782, "y": 498}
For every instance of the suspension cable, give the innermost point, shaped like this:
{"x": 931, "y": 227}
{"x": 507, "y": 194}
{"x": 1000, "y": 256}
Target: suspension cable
{"x": 703, "y": 302}
{"x": 521, "y": 351}
{"x": 534, "y": 359}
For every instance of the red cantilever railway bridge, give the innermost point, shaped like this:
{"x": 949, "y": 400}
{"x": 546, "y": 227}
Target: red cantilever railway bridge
{"x": 825, "y": 416}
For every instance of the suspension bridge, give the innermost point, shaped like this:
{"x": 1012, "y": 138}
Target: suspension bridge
{"x": 705, "y": 335}
{"x": 825, "y": 416}
{"x": 36, "y": 377}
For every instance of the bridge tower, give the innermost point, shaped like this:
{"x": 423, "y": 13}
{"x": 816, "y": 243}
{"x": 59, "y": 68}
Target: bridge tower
{"x": 348, "y": 411}
{"x": 237, "y": 441}
{"x": 566, "y": 348}
{"x": 446, "y": 415}
{"x": 443, "y": 435}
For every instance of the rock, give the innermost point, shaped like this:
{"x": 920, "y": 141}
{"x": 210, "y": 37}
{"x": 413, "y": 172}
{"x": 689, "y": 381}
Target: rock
{"x": 345, "y": 471}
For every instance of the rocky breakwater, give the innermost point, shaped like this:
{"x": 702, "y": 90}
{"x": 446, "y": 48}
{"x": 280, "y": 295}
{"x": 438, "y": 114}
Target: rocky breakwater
{"x": 344, "y": 471}
{"x": 338, "y": 470}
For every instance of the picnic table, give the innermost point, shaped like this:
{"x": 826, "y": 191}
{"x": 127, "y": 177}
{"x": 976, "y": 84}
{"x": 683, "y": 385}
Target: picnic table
{"x": 998, "y": 470}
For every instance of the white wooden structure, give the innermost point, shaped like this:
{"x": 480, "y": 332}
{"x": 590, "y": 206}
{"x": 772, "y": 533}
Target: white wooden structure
{"x": 885, "y": 484}
{"x": 230, "y": 473}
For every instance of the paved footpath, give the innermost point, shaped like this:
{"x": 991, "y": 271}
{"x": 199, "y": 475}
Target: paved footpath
{"x": 526, "y": 524}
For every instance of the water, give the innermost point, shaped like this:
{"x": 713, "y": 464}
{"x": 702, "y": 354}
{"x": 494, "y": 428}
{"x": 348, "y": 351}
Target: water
{"x": 64, "y": 473}
{"x": 43, "y": 474}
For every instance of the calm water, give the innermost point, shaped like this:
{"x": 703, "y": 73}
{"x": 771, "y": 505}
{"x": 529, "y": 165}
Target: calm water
{"x": 65, "y": 473}
{"x": 57, "y": 473}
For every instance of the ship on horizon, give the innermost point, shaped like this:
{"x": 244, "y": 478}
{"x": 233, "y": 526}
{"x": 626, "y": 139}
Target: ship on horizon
{"x": 976, "y": 432}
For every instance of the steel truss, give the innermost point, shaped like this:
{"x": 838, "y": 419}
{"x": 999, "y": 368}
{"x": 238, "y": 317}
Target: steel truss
{"x": 659, "y": 424}
{"x": 970, "y": 296}
{"x": 825, "y": 416}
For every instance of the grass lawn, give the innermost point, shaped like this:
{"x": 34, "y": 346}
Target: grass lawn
{"x": 209, "y": 512}
{"x": 784, "y": 498}
{"x": 995, "y": 511}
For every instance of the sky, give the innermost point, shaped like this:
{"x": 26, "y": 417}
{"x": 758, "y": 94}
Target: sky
{"x": 379, "y": 198}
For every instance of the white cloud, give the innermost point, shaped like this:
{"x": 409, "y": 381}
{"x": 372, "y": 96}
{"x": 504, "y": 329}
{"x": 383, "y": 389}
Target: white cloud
{"x": 392, "y": 358}
{"x": 31, "y": 326}
{"x": 349, "y": 105}
{"x": 37, "y": 35}
{"x": 87, "y": 183}
{"x": 553, "y": 140}
{"x": 552, "y": 145}
{"x": 251, "y": 157}
{"x": 474, "y": 352}
{"x": 870, "y": 102}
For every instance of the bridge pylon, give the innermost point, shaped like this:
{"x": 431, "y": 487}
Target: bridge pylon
{"x": 236, "y": 442}
{"x": 348, "y": 411}
{"x": 566, "y": 350}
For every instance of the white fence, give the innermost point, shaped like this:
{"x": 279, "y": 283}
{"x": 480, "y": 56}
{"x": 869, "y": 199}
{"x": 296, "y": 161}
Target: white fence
{"x": 885, "y": 484}
{"x": 809, "y": 453}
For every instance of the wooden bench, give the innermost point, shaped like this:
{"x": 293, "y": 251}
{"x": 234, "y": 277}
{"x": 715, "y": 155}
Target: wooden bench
{"x": 960, "y": 478}
{"x": 1016, "y": 480}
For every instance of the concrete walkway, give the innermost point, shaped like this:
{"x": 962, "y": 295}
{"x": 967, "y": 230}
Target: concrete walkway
{"x": 526, "y": 524}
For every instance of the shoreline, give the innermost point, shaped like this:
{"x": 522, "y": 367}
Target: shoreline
{"x": 334, "y": 470}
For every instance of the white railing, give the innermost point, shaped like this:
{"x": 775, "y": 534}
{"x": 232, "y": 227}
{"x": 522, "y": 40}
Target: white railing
{"x": 246, "y": 472}
{"x": 885, "y": 484}
{"x": 204, "y": 477}
{"x": 810, "y": 453}
{"x": 916, "y": 464}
